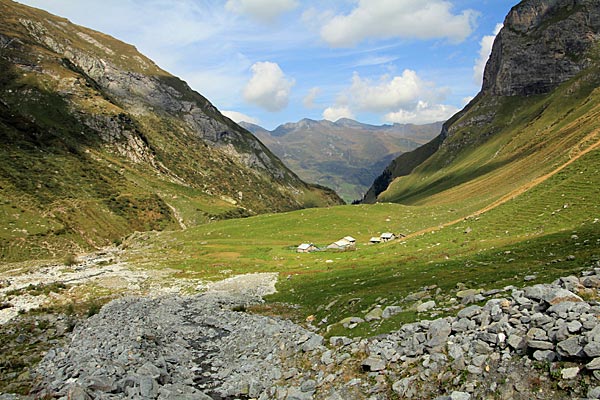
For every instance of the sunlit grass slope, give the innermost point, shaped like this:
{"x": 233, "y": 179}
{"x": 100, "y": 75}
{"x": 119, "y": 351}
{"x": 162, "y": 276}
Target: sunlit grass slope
{"x": 526, "y": 138}
{"x": 534, "y": 233}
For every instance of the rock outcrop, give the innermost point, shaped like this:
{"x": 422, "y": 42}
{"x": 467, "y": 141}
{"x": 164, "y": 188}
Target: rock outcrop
{"x": 543, "y": 44}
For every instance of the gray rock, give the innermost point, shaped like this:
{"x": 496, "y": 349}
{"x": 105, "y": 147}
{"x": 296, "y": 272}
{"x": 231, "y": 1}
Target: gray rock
{"x": 594, "y": 393}
{"x": 550, "y": 294}
{"x": 405, "y": 387}
{"x": 460, "y": 396}
{"x": 592, "y": 349}
{"x": 569, "y": 373}
{"x": 375, "y": 314}
{"x": 312, "y": 343}
{"x": 570, "y": 347}
{"x": 438, "y": 333}
{"x": 309, "y": 385}
{"x": 594, "y": 364}
{"x": 540, "y": 345}
{"x": 390, "y": 311}
{"x": 76, "y": 392}
{"x": 469, "y": 312}
{"x": 374, "y": 364}
{"x": 148, "y": 387}
{"x": 591, "y": 282}
{"x": 427, "y": 306}
{"x": 544, "y": 355}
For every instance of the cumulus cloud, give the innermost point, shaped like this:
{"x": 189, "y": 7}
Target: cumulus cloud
{"x": 484, "y": 53}
{"x": 404, "y": 99}
{"x": 269, "y": 87}
{"x": 423, "y": 113}
{"x": 419, "y": 19}
{"x": 240, "y": 117}
{"x": 336, "y": 112}
{"x": 386, "y": 94}
{"x": 309, "y": 99}
{"x": 261, "y": 10}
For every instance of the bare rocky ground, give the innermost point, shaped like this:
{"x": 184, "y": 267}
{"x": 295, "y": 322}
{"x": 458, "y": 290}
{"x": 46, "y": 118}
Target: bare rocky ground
{"x": 540, "y": 342}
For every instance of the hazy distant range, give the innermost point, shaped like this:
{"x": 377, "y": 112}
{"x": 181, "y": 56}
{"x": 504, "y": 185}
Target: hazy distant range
{"x": 345, "y": 155}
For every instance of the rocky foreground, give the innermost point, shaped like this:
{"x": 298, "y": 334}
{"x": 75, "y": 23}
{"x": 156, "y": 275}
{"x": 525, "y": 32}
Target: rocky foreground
{"x": 539, "y": 342}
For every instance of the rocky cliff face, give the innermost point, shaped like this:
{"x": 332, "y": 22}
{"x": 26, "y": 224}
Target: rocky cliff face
{"x": 543, "y": 43}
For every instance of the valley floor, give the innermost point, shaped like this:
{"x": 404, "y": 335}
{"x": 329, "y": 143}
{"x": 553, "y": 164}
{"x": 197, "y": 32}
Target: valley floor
{"x": 156, "y": 341}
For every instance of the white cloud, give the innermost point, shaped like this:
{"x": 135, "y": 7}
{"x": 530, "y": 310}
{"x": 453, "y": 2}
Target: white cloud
{"x": 309, "y": 99}
{"x": 261, "y": 10}
{"x": 240, "y": 117}
{"x": 268, "y": 88}
{"x": 419, "y": 19}
{"x": 334, "y": 113}
{"x": 387, "y": 94}
{"x": 404, "y": 99}
{"x": 422, "y": 114}
{"x": 484, "y": 54}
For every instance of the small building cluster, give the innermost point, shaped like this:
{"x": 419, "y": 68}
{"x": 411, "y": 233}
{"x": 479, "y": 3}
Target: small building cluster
{"x": 307, "y": 248}
{"x": 348, "y": 243}
{"x": 385, "y": 237}
{"x": 343, "y": 244}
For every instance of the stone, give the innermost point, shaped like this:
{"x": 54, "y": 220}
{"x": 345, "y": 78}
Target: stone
{"x": 375, "y": 314}
{"x": 544, "y": 355}
{"x": 390, "y": 311}
{"x": 468, "y": 293}
{"x": 591, "y": 282}
{"x": 574, "y": 326}
{"x": 312, "y": 343}
{"x": 309, "y": 385}
{"x": 592, "y": 349}
{"x": 148, "y": 387}
{"x": 550, "y": 294}
{"x": 594, "y": 393}
{"x": 438, "y": 333}
{"x": 373, "y": 364}
{"x": 326, "y": 358}
{"x": 570, "y": 347}
{"x": 460, "y": 396}
{"x": 427, "y": 306}
{"x": 569, "y": 373}
{"x": 405, "y": 387}
{"x": 540, "y": 344}
{"x": 78, "y": 393}
{"x": 594, "y": 364}
{"x": 469, "y": 312}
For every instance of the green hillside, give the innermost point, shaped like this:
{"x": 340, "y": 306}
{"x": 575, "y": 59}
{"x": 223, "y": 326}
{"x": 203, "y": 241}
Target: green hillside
{"x": 98, "y": 142}
{"x": 528, "y": 138}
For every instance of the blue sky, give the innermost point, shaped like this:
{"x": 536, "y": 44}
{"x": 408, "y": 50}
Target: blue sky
{"x": 276, "y": 61}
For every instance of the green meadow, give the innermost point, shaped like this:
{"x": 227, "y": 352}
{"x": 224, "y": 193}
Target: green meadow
{"x": 549, "y": 231}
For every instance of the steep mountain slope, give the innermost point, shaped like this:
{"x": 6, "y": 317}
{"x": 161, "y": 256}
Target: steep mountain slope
{"x": 97, "y": 142}
{"x": 345, "y": 155}
{"x": 539, "y": 108}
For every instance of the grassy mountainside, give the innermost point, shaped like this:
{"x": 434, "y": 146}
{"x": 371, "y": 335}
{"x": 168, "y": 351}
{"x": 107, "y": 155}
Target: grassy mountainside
{"x": 98, "y": 142}
{"x": 527, "y": 138}
{"x": 344, "y": 155}
{"x": 524, "y": 123}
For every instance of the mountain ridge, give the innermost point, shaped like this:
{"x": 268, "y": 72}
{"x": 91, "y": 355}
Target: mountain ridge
{"x": 345, "y": 155}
